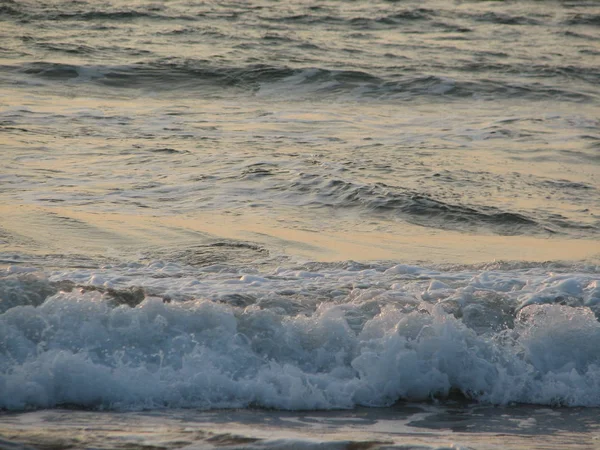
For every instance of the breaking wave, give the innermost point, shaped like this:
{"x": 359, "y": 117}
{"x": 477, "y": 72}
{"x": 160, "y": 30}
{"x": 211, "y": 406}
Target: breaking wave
{"x": 313, "y": 337}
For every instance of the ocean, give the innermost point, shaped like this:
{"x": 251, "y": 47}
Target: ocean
{"x": 317, "y": 224}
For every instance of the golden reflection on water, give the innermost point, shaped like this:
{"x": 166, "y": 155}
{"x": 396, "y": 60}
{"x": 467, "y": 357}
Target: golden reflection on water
{"x": 65, "y": 230}
{"x": 415, "y": 139}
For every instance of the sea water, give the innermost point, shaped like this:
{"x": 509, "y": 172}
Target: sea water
{"x": 316, "y": 224}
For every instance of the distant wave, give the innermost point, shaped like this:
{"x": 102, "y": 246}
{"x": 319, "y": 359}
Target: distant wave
{"x": 41, "y": 12}
{"x": 388, "y": 18}
{"x": 503, "y": 19}
{"x": 190, "y": 75}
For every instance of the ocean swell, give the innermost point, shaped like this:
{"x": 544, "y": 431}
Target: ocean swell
{"x": 198, "y": 76}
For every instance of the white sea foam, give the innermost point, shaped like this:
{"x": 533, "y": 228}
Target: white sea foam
{"x": 297, "y": 338}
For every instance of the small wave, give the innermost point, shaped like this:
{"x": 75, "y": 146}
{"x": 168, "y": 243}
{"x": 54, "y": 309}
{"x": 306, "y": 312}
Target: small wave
{"x": 168, "y": 151}
{"x": 32, "y": 12}
{"x": 168, "y": 75}
{"x": 157, "y": 75}
{"x": 567, "y": 185}
{"x": 219, "y": 253}
{"x": 588, "y": 74}
{"x": 303, "y": 19}
{"x": 101, "y": 15}
{"x": 504, "y": 19}
{"x": 578, "y": 35}
{"x": 391, "y": 20}
{"x": 8, "y": 10}
{"x": 407, "y": 16}
{"x": 583, "y": 19}
{"x": 367, "y": 86}
{"x": 75, "y": 49}
{"x": 48, "y": 70}
{"x": 421, "y": 209}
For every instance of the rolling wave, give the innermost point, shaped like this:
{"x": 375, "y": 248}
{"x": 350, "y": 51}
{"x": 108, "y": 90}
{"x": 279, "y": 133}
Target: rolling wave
{"x": 194, "y": 75}
{"x": 422, "y": 209}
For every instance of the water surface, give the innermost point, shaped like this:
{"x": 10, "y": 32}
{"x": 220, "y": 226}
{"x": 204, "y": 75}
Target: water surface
{"x": 310, "y": 208}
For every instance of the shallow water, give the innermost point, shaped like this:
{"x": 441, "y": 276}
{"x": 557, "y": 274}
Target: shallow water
{"x": 474, "y": 116}
{"x": 305, "y": 206}
{"x": 403, "y": 427}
